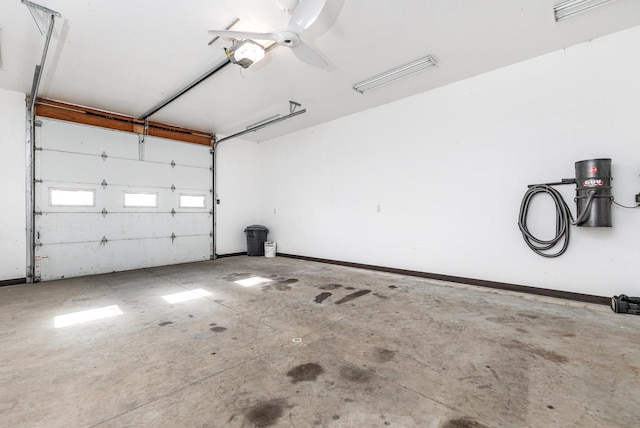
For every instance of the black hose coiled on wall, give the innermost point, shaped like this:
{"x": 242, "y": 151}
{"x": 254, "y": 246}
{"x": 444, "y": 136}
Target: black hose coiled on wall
{"x": 564, "y": 219}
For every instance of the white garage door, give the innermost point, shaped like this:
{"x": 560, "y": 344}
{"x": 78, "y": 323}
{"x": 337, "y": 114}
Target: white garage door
{"x": 106, "y": 203}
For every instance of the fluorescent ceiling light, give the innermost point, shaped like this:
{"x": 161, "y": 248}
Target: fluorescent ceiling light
{"x": 245, "y": 53}
{"x": 396, "y": 74}
{"x": 569, "y": 8}
{"x": 88, "y": 315}
{"x": 185, "y": 296}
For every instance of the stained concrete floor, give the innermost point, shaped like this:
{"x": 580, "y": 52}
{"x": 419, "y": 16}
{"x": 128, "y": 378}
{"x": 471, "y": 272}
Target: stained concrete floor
{"x": 315, "y": 346}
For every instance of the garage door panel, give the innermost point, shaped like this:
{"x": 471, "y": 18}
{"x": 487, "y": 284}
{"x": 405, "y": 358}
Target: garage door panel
{"x": 70, "y": 238}
{"x": 42, "y": 197}
{"x": 184, "y": 177}
{"x": 58, "y": 135}
{"x": 64, "y": 228}
{"x": 70, "y": 260}
{"x": 161, "y": 150}
{"x": 111, "y": 198}
{"x": 80, "y": 169}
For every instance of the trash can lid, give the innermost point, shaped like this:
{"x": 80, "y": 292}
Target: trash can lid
{"x": 254, "y": 227}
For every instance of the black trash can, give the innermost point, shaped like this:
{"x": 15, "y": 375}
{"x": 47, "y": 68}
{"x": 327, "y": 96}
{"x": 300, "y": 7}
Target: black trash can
{"x": 256, "y": 237}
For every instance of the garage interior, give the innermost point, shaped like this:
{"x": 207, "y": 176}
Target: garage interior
{"x": 388, "y": 151}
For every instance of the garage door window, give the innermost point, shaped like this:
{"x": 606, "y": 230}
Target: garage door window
{"x": 193, "y": 201}
{"x": 140, "y": 200}
{"x": 72, "y": 197}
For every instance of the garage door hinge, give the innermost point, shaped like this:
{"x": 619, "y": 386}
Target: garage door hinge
{"x": 37, "y": 213}
{"x": 104, "y": 183}
{"x": 173, "y": 237}
{"x": 210, "y": 212}
{"x": 210, "y": 151}
{"x": 37, "y": 149}
{"x": 210, "y": 189}
{"x": 104, "y": 212}
{"x": 173, "y": 212}
{"x": 104, "y": 156}
{"x": 211, "y": 168}
{"x": 38, "y": 123}
{"x": 211, "y": 234}
{"x": 173, "y": 188}
{"x": 173, "y": 164}
{"x": 37, "y": 180}
{"x": 104, "y": 241}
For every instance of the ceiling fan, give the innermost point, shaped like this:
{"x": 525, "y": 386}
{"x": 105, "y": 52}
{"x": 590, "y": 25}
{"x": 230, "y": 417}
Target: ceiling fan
{"x": 303, "y": 16}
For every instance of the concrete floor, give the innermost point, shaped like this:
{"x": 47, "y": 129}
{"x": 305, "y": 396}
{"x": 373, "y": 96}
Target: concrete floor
{"x": 376, "y": 349}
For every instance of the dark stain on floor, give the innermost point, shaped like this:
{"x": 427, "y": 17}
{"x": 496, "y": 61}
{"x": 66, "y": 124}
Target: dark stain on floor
{"x": 547, "y": 355}
{"x": 393, "y": 286}
{"x": 382, "y": 296}
{"x": 562, "y": 333}
{"x": 330, "y": 286}
{"x": 355, "y": 374}
{"x": 308, "y": 372}
{"x": 382, "y": 355}
{"x": 277, "y": 286}
{"x": 234, "y": 276}
{"x": 266, "y": 413}
{"x": 280, "y": 285}
{"x": 163, "y": 323}
{"x": 335, "y": 417}
{"x": 522, "y": 330}
{"x": 530, "y": 316}
{"x": 493, "y": 372}
{"x": 321, "y": 297}
{"x": 464, "y": 422}
{"x": 349, "y": 288}
{"x": 352, "y": 296}
{"x": 190, "y": 316}
{"x": 218, "y": 329}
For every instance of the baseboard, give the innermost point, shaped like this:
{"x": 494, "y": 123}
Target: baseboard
{"x": 567, "y": 295}
{"x": 6, "y": 282}
{"x": 223, "y": 256}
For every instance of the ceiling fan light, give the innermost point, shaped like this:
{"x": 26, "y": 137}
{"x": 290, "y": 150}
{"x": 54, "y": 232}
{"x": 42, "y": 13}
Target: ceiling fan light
{"x": 246, "y": 53}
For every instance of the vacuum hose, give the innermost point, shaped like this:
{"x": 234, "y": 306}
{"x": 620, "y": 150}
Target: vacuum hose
{"x": 564, "y": 218}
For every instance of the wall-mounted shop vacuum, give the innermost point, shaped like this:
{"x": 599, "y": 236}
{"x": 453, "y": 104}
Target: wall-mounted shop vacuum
{"x": 593, "y": 200}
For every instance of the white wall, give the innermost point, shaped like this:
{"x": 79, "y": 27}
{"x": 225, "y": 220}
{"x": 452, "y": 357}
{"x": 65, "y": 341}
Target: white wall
{"x": 434, "y": 182}
{"x": 238, "y": 190}
{"x": 12, "y": 176}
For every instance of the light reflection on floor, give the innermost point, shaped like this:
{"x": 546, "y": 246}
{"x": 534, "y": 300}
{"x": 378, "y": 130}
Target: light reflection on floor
{"x": 85, "y": 316}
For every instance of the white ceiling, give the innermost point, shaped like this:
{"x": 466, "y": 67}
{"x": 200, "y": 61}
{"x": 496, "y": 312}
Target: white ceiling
{"x": 126, "y": 56}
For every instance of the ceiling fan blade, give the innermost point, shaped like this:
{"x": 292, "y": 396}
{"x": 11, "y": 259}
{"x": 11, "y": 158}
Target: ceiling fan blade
{"x": 305, "y": 15}
{"x": 305, "y": 53}
{"x": 243, "y": 35}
